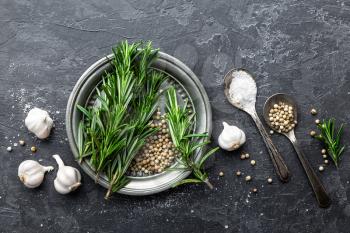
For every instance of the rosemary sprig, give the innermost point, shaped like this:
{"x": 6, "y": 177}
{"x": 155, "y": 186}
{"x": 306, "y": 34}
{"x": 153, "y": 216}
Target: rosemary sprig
{"x": 116, "y": 127}
{"x": 331, "y": 138}
{"x": 181, "y": 123}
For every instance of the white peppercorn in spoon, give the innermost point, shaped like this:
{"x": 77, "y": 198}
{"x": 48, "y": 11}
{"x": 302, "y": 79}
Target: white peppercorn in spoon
{"x": 240, "y": 90}
{"x": 319, "y": 190}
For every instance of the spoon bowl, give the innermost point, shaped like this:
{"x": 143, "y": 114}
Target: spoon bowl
{"x": 228, "y": 80}
{"x": 275, "y": 99}
{"x": 316, "y": 184}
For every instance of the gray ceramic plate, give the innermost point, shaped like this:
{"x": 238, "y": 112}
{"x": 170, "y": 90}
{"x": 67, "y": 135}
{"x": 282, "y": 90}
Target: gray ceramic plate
{"x": 187, "y": 86}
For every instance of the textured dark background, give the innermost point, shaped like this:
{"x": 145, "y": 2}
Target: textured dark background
{"x": 299, "y": 47}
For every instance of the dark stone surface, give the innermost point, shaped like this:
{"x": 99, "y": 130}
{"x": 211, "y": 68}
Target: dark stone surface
{"x": 298, "y": 47}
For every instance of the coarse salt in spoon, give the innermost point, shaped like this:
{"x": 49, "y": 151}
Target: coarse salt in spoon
{"x": 241, "y": 91}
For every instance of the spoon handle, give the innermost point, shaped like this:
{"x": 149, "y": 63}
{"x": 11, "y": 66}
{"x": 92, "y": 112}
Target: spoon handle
{"x": 277, "y": 160}
{"x": 319, "y": 190}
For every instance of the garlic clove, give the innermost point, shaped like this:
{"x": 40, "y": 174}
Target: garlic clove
{"x": 231, "y": 138}
{"x": 65, "y": 188}
{"x": 32, "y": 181}
{"x": 43, "y": 132}
{"x": 60, "y": 188}
{"x": 77, "y": 174}
{"x": 242, "y": 138}
{"x": 67, "y": 179}
{"x": 31, "y": 173}
{"x": 68, "y": 174}
{"x": 39, "y": 122}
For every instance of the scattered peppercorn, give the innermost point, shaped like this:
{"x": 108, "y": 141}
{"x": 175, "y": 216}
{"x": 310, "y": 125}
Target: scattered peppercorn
{"x": 221, "y": 174}
{"x": 269, "y": 180}
{"x": 21, "y": 142}
{"x": 271, "y": 132}
{"x": 33, "y": 149}
{"x": 248, "y": 178}
{"x": 317, "y": 121}
{"x": 247, "y": 156}
{"x": 238, "y": 173}
{"x": 242, "y": 156}
{"x": 323, "y": 151}
{"x": 324, "y": 156}
{"x": 313, "y": 111}
{"x": 321, "y": 168}
{"x": 9, "y": 149}
{"x": 255, "y": 190}
{"x": 326, "y": 161}
{"x": 252, "y": 162}
{"x": 312, "y": 133}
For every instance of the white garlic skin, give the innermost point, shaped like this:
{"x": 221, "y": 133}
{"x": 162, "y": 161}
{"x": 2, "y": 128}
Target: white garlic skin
{"x": 31, "y": 173}
{"x": 39, "y": 122}
{"x": 231, "y": 137}
{"x": 68, "y": 178}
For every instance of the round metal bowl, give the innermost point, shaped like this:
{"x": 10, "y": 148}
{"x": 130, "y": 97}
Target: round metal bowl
{"x": 186, "y": 83}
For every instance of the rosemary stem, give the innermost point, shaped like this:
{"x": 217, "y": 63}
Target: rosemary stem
{"x": 109, "y": 192}
{"x": 207, "y": 182}
{"x": 111, "y": 184}
{"x": 97, "y": 176}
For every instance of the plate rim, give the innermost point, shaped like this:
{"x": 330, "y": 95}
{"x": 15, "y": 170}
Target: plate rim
{"x": 179, "y": 175}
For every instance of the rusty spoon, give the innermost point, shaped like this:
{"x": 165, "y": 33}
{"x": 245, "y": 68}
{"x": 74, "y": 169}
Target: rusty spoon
{"x": 280, "y": 166}
{"x": 319, "y": 190}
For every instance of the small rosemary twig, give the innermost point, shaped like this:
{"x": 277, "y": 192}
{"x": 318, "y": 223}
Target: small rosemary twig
{"x": 180, "y": 122}
{"x": 331, "y": 138}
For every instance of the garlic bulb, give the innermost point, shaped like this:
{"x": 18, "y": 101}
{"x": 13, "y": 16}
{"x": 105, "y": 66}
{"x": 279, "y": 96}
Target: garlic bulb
{"x": 68, "y": 178}
{"x": 231, "y": 137}
{"x": 31, "y": 173}
{"x": 39, "y": 122}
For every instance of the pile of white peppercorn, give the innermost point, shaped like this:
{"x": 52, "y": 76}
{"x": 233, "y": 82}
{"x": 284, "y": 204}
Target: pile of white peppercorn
{"x": 281, "y": 117}
{"x": 158, "y": 153}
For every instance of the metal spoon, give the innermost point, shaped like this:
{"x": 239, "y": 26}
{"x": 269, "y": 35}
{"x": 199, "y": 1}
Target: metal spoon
{"x": 320, "y": 192}
{"x": 277, "y": 160}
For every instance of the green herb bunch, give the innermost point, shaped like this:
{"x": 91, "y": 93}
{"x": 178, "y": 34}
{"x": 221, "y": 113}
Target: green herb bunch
{"x": 180, "y": 122}
{"x": 331, "y": 138}
{"x": 115, "y": 128}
